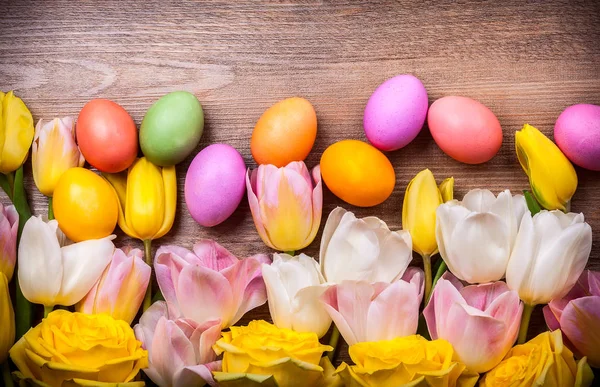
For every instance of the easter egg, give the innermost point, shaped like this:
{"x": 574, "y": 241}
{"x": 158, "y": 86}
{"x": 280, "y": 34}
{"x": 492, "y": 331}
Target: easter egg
{"x": 577, "y": 134}
{"x": 465, "y": 129}
{"x": 284, "y": 133}
{"x": 215, "y": 184}
{"x": 85, "y": 205}
{"x": 357, "y": 173}
{"x": 107, "y": 136}
{"x": 171, "y": 128}
{"x": 396, "y": 112}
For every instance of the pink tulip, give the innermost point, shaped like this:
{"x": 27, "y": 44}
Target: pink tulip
{"x": 286, "y": 204}
{"x": 577, "y": 315}
{"x": 210, "y": 283}
{"x": 120, "y": 291}
{"x": 364, "y": 311}
{"x": 179, "y": 350}
{"x": 9, "y": 224}
{"x": 480, "y": 321}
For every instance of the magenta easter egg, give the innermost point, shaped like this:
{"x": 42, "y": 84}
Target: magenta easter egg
{"x": 215, "y": 184}
{"x": 465, "y": 129}
{"x": 395, "y": 112}
{"x": 577, "y": 134}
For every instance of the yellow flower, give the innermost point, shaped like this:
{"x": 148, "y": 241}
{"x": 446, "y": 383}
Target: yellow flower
{"x": 551, "y": 175}
{"x": 405, "y": 361}
{"x": 262, "y": 354}
{"x": 542, "y": 361}
{"x": 68, "y": 349}
{"x": 7, "y": 319}
{"x": 421, "y": 199}
{"x": 147, "y": 199}
{"x": 54, "y": 150}
{"x": 16, "y": 132}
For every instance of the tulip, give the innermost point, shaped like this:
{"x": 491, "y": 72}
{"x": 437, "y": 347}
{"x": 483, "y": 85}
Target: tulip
{"x": 147, "y": 200}
{"x": 16, "y": 132}
{"x": 52, "y": 272}
{"x": 7, "y": 319}
{"x": 577, "y": 315}
{"x": 377, "y": 311}
{"x": 421, "y": 200}
{"x": 294, "y": 285}
{"x": 54, "y": 150}
{"x": 210, "y": 283}
{"x": 362, "y": 249}
{"x": 9, "y": 224}
{"x": 179, "y": 350}
{"x": 551, "y": 175}
{"x": 480, "y": 321}
{"x": 286, "y": 204}
{"x": 550, "y": 253}
{"x": 120, "y": 290}
{"x": 542, "y": 361}
{"x": 476, "y": 236}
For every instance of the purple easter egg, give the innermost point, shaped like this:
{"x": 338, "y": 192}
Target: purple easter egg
{"x": 215, "y": 184}
{"x": 577, "y": 134}
{"x": 396, "y": 112}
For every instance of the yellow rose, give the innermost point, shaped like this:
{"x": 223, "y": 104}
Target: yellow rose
{"x": 542, "y": 361}
{"x": 76, "y": 349}
{"x": 262, "y": 354}
{"x": 405, "y": 361}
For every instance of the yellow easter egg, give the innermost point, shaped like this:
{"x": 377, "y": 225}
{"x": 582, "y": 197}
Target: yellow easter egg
{"x": 357, "y": 173}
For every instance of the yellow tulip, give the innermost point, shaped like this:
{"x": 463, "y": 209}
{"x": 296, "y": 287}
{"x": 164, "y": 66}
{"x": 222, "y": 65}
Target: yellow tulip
{"x": 16, "y": 132}
{"x": 405, "y": 361}
{"x": 54, "y": 150}
{"x": 147, "y": 199}
{"x": 76, "y": 349}
{"x": 262, "y": 354}
{"x": 542, "y": 361}
{"x": 551, "y": 175}
{"x": 7, "y": 319}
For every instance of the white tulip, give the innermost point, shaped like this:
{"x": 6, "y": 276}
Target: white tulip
{"x": 54, "y": 273}
{"x": 362, "y": 249}
{"x": 550, "y": 254}
{"x": 294, "y": 285}
{"x": 476, "y": 236}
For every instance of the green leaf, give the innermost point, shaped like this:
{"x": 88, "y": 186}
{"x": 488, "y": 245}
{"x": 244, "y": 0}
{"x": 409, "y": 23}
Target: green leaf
{"x": 532, "y": 204}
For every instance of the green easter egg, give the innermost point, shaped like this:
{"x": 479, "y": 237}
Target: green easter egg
{"x": 171, "y": 128}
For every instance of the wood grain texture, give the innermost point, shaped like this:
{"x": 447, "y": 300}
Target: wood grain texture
{"x": 527, "y": 61}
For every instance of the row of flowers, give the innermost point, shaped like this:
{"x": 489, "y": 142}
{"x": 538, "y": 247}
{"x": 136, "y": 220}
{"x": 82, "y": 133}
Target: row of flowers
{"x": 362, "y": 283}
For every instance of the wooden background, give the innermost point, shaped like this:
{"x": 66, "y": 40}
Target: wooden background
{"x": 527, "y": 61}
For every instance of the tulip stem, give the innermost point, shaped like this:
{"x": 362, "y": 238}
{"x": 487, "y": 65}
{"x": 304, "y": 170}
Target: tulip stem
{"x": 148, "y": 258}
{"x": 8, "y": 382}
{"x": 50, "y": 209}
{"x": 290, "y": 253}
{"x": 527, "y": 310}
{"x": 333, "y": 341}
{"x": 438, "y": 274}
{"x": 428, "y": 281}
{"x": 47, "y": 310}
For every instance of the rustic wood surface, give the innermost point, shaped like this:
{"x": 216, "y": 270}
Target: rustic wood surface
{"x": 526, "y": 61}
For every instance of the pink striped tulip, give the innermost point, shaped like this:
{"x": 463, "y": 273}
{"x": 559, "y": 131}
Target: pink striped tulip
{"x": 577, "y": 315}
{"x": 180, "y": 350}
{"x": 120, "y": 291}
{"x": 480, "y": 321}
{"x": 364, "y": 311}
{"x": 9, "y": 224}
{"x": 210, "y": 283}
{"x": 286, "y": 204}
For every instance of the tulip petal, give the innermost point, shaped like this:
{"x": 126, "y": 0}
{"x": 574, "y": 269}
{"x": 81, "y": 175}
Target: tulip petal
{"x": 331, "y": 301}
{"x": 199, "y": 286}
{"x": 39, "y": 258}
{"x": 443, "y": 297}
{"x": 579, "y": 322}
{"x": 83, "y": 264}
{"x": 247, "y": 286}
{"x": 9, "y": 223}
{"x": 18, "y": 132}
{"x": 118, "y": 181}
{"x": 448, "y": 215}
{"x": 171, "y": 350}
{"x": 482, "y": 296}
{"x": 550, "y": 318}
{"x": 308, "y": 312}
{"x": 169, "y": 180}
{"x": 144, "y": 330}
{"x": 169, "y": 262}
{"x": 7, "y": 317}
{"x": 197, "y": 375}
{"x": 214, "y": 256}
{"x": 479, "y": 200}
{"x": 255, "y": 210}
{"x": 593, "y": 278}
{"x": 278, "y": 297}
{"x": 394, "y": 256}
{"x": 333, "y": 221}
{"x": 317, "y": 205}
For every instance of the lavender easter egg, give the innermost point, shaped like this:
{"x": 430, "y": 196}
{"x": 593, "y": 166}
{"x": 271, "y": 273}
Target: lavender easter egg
{"x": 577, "y": 134}
{"x": 395, "y": 112}
{"x": 215, "y": 184}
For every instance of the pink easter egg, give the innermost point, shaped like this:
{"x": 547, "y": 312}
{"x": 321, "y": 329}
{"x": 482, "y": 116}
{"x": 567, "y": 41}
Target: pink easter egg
{"x": 577, "y": 134}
